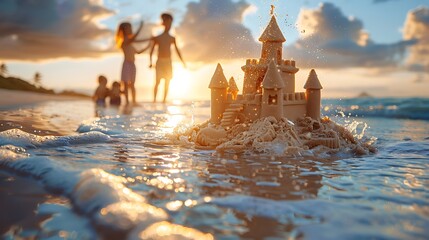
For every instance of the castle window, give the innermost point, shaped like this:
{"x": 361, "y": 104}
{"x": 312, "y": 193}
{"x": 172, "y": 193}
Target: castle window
{"x": 279, "y": 56}
{"x": 272, "y": 100}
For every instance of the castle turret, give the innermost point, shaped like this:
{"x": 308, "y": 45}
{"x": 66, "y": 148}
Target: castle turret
{"x": 272, "y": 96}
{"x": 232, "y": 88}
{"x": 254, "y": 71}
{"x": 313, "y": 95}
{"x": 218, "y": 86}
{"x": 272, "y": 40}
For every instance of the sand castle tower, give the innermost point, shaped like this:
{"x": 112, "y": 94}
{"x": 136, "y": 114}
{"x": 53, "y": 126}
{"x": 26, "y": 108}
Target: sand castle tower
{"x": 218, "y": 86}
{"x": 272, "y": 96}
{"x": 232, "y": 88}
{"x": 313, "y": 95}
{"x": 272, "y": 41}
{"x": 272, "y": 48}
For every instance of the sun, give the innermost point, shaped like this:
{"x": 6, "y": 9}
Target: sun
{"x": 180, "y": 84}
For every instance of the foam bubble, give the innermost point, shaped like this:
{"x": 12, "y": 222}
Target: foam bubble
{"x": 166, "y": 230}
{"x": 102, "y": 125}
{"x": 125, "y": 215}
{"x": 20, "y": 138}
{"x": 84, "y": 128}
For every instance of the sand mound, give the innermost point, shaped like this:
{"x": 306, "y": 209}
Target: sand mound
{"x": 280, "y": 137}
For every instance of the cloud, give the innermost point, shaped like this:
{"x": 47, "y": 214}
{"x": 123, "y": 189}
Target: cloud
{"x": 213, "y": 30}
{"x": 37, "y": 30}
{"x": 416, "y": 27}
{"x": 332, "y": 40}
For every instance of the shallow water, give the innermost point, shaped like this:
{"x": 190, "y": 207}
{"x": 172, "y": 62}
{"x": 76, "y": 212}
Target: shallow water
{"x": 229, "y": 196}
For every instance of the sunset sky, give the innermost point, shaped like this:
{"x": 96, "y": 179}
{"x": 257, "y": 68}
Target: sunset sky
{"x": 377, "y": 46}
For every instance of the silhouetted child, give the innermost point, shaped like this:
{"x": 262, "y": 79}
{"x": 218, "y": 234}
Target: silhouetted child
{"x": 124, "y": 40}
{"x": 164, "y": 69}
{"x": 115, "y": 94}
{"x": 101, "y": 92}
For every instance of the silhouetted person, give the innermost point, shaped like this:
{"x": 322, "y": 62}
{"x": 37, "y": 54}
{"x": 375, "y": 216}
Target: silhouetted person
{"x": 101, "y": 92}
{"x": 125, "y": 39}
{"x": 164, "y": 69}
{"x": 115, "y": 94}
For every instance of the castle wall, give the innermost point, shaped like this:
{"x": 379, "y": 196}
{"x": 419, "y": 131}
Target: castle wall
{"x": 287, "y": 72}
{"x": 294, "y": 98}
{"x": 294, "y": 105}
{"x": 295, "y": 111}
{"x": 249, "y": 84}
{"x": 289, "y": 81}
{"x": 254, "y": 72}
{"x": 272, "y": 107}
{"x": 252, "y": 106}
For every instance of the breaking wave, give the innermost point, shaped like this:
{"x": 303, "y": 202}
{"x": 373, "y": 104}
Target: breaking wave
{"x": 402, "y": 108}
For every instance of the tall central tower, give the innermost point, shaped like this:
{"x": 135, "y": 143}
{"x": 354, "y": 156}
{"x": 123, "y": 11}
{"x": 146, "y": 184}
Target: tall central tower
{"x": 272, "y": 42}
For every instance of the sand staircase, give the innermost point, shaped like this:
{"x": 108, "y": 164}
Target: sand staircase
{"x": 230, "y": 114}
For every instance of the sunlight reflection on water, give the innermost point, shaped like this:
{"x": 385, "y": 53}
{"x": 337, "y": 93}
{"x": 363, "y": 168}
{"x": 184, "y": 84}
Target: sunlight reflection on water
{"x": 254, "y": 196}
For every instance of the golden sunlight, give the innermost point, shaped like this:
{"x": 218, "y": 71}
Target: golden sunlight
{"x": 181, "y": 83}
{"x": 174, "y": 117}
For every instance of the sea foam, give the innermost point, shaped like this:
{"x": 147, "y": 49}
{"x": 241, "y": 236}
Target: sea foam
{"x": 19, "y": 138}
{"x": 107, "y": 126}
{"x": 102, "y": 197}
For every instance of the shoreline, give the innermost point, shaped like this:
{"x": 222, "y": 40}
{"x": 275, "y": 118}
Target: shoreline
{"x": 18, "y": 110}
{"x": 12, "y": 99}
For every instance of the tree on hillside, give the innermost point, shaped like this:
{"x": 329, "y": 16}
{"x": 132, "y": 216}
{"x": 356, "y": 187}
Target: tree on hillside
{"x": 3, "y": 69}
{"x": 37, "y": 79}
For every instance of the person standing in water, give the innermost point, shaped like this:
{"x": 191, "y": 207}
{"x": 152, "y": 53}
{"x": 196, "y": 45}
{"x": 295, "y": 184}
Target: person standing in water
{"x": 101, "y": 92}
{"x": 124, "y": 40}
{"x": 115, "y": 94}
{"x": 164, "y": 69}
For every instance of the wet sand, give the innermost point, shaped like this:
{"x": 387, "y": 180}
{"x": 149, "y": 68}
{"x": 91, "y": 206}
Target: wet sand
{"x": 18, "y": 110}
{"x": 13, "y": 99}
{"x": 19, "y": 198}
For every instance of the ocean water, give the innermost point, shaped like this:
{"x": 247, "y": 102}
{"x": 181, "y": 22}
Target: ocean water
{"x": 68, "y": 170}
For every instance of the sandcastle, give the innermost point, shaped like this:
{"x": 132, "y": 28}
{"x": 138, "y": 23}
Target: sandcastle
{"x": 268, "y": 87}
{"x": 269, "y": 115}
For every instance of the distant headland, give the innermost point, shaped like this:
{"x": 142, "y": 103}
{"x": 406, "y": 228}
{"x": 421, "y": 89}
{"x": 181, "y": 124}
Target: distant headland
{"x": 18, "y": 84}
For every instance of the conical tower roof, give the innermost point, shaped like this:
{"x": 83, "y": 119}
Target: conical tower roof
{"x": 313, "y": 81}
{"x": 232, "y": 85}
{"x": 272, "y": 32}
{"x": 218, "y": 79}
{"x": 272, "y": 77}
